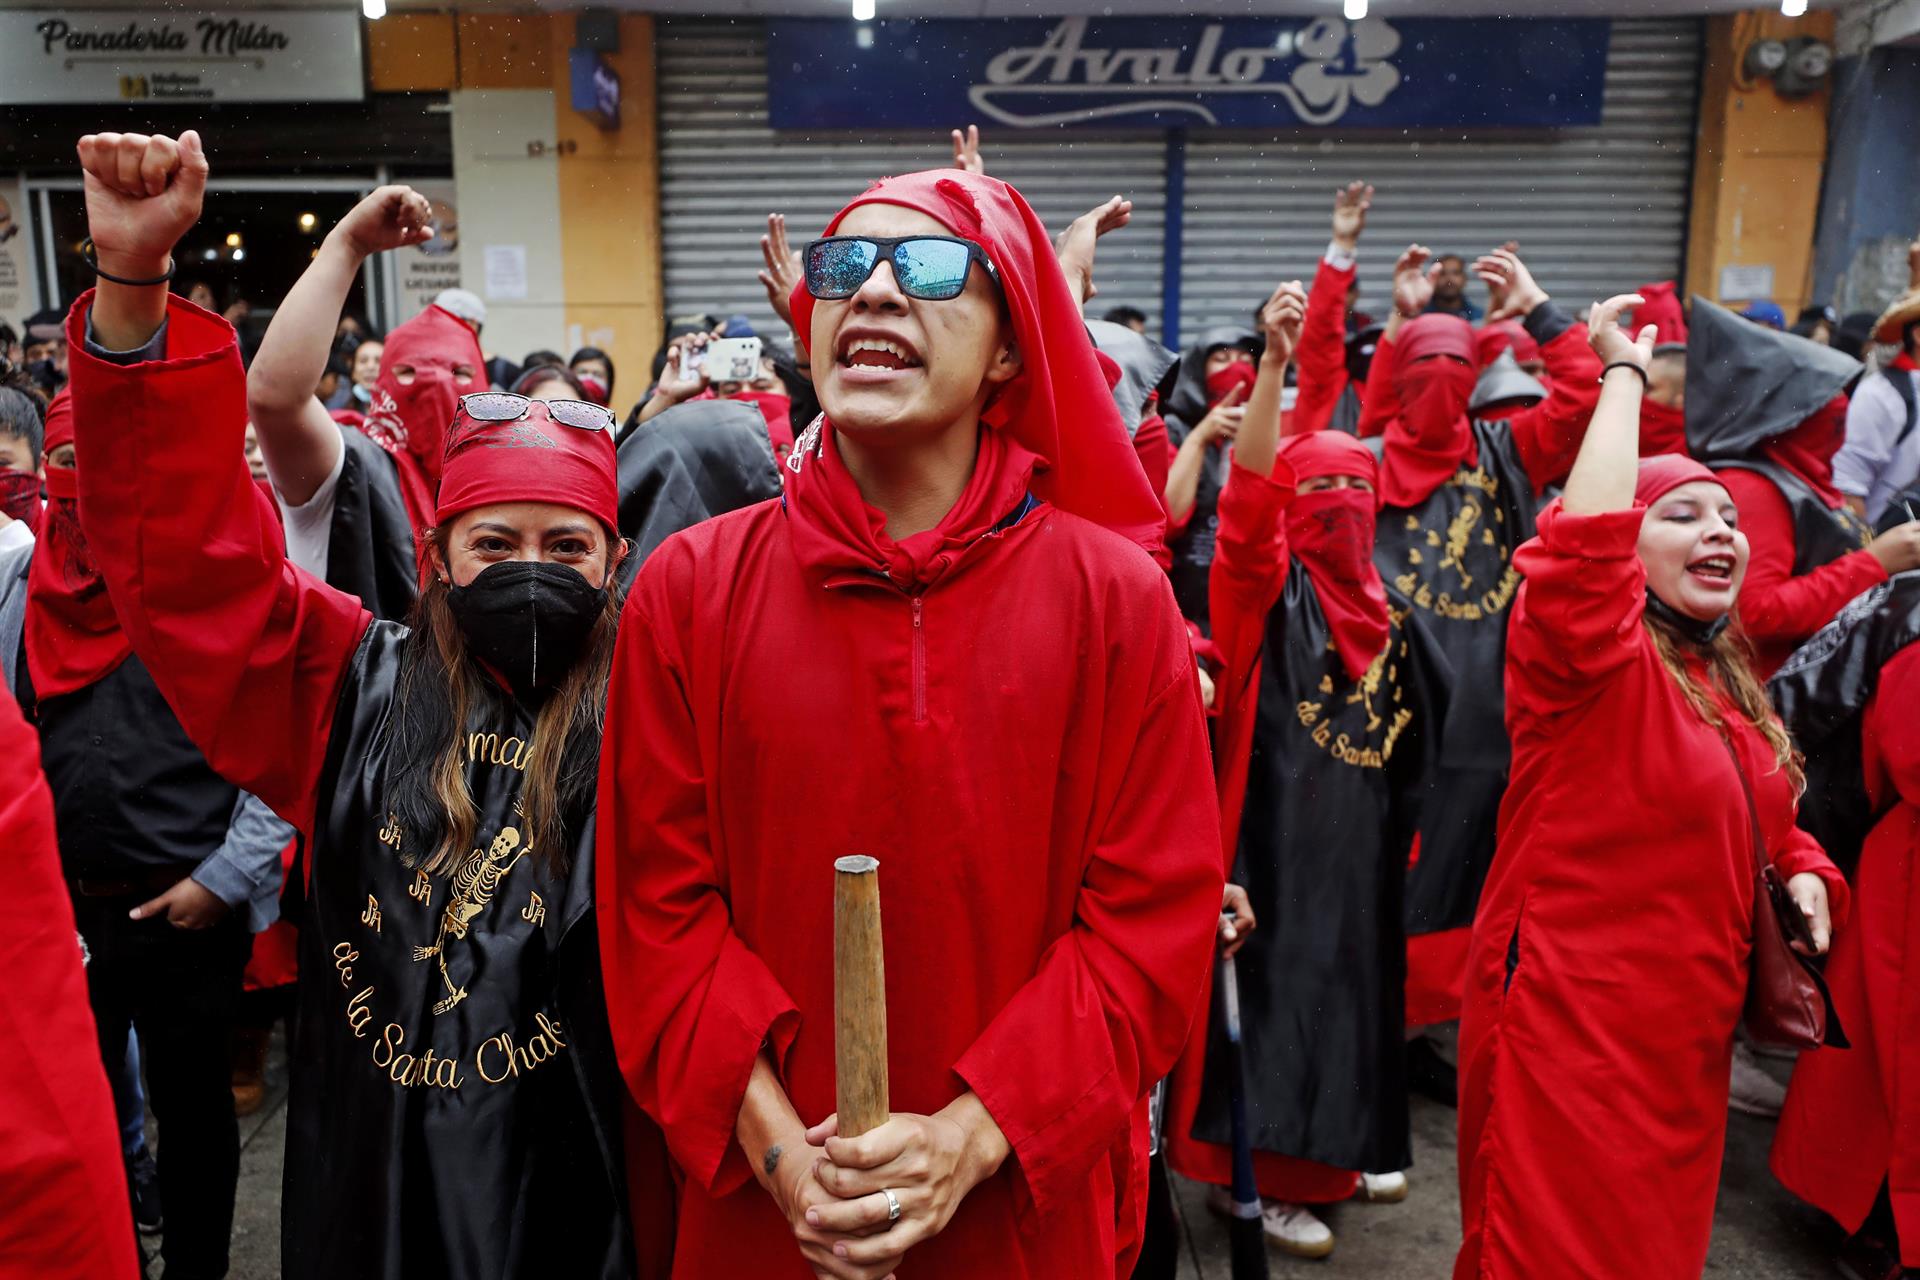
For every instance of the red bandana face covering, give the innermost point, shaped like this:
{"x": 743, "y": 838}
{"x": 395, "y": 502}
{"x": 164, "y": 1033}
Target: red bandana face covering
{"x": 1221, "y": 382}
{"x": 1808, "y": 449}
{"x": 73, "y": 637}
{"x": 413, "y": 415}
{"x": 1431, "y": 439}
{"x": 1331, "y": 533}
{"x": 1663, "y": 429}
{"x": 20, "y": 497}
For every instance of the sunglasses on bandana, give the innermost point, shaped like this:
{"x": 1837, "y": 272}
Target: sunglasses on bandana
{"x": 932, "y": 268}
{"x": 491, "y": 407}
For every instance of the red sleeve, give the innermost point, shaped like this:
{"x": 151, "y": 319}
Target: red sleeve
{"x": 690, "y": 1005}
{"x": 1381, "y": 403}
{"x": 1890, "y": 733}
{"x": 1156, "y": 458}
{"x": 1576, "y": 620}
{"x": 1249, "y": 569}
{"x": 1063, "y": 1064}
{"x": 1322, "y": 357}
{"x": 1775, "y": 606}
{"x": 61, "y": 1176}
{"x": 1547, "y": 436}
{"x": 240, "y": 642}
{"x": 1797, "y": 851}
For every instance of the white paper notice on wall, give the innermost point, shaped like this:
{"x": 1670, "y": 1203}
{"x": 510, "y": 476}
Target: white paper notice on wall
{"x": 506, "y": 272}
{"x": 1746, "y": 284}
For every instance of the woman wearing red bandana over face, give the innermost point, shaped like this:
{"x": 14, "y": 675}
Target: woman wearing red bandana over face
{"x": 1457, "y": 497}
{"x": 22, "y": 418}
{"x": 1203, "y": 413}
{"x": 1611, "y": 950}
{"x": 444, "y": 773}
{"x": 1332, "y": 695}
{"x": 1765, "y": 410}
{"x": 950, "y": 640}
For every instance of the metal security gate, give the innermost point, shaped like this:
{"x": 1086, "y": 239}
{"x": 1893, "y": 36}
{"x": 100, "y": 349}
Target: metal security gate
{"x": 723, "y": 169}
{"x": 1597, "y": 210}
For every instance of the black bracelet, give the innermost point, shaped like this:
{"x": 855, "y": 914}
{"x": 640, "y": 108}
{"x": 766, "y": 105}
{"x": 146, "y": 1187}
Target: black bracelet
{"x": 1625, "y": 364}
{"x": 86, "y": 251}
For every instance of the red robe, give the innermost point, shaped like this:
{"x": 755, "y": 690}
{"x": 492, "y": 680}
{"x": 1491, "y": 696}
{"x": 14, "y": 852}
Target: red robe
{"x": 1593, "y": 1075}
{"x": 1779, "y": 611}
{"x": 1016, "y": 734}
{"x": 62, "y": 1182}
{"x": 1852, "y": 1120}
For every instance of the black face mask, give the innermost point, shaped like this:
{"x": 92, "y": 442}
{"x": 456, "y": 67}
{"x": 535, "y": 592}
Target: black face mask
{"x": 526, "y": 620}
{"x": 46, "y": 375}
{"x": 1701, "y": 633}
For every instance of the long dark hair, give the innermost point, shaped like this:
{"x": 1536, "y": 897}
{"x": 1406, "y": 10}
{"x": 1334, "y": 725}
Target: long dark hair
{"x": 441, "y": 687}
{"x": 1729, "y": 662}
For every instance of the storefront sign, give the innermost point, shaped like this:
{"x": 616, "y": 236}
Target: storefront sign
{"x": 109, "y": 55}
{"x": 1187, "y": 72}
{"x": 16, "y": 255}
{"x": 426, "y": 268}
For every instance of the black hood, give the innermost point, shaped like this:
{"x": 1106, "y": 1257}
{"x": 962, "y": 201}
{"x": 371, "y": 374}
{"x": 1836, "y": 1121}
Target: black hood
{"x": 1143, "y": 363}
{"x": 694, "y": 461}
{"x": 1188, "y": 401}
{"x": 1747, "y": 384}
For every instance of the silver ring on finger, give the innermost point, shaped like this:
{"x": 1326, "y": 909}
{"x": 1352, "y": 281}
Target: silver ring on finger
{"x": 893, "y": 1206}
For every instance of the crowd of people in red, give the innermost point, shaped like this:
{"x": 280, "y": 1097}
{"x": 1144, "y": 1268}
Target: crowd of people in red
{"x": 1232, "y": 726}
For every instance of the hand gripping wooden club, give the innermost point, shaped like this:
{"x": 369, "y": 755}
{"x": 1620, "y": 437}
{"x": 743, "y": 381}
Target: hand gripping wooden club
{"x": 859, "y": 997}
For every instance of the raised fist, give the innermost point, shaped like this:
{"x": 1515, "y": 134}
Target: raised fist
{"x": 143, "y": 193}
{"x": 392, "y": 217}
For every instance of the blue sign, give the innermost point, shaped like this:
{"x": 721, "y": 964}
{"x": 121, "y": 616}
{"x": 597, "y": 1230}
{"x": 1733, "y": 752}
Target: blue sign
{"x": 1186, "y": 72}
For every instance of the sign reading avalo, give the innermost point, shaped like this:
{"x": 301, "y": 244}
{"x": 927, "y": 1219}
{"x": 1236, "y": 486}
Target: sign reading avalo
{"x": 1172, "y": 72}
{"x": 106, "y": 55}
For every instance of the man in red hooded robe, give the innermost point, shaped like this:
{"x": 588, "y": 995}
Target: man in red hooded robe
{"x": 947, "y": 645}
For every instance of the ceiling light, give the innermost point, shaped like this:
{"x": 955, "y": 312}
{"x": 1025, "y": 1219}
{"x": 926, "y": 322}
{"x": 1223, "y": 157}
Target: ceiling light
{"x": 307, "y": 221}
{"x": 1357, "y": 9}
{"x": 863, "y": 10}
{"x": 233, "y": 239}
{"x": 373, "y": 9}
{"x": 1793, "y": 8}
{"x": 239, "y": 255}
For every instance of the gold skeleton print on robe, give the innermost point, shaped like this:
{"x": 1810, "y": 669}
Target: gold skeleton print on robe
{"x": 1465, "y": 572}
{"x": 1374, "y": 749}
{"x": 468, "y": 894}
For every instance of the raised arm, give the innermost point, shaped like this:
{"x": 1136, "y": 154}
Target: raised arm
{"x": 1608, "y": 464}
{"x": 1075, "y": 246}
{"x": 297, "y": 434}
{"x": 1323, "y": 341}
{"x": 1413, "y": 274}
{"x": 248, "y": 651}
{"x": 1546, "y": 436}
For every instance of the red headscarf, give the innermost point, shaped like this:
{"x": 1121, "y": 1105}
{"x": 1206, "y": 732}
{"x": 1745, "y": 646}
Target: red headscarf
{"x": 1222, "y": 381}
{"x": 1808, "y": 449}
{"x": 73, "y": 638}
{"x": 1665, "y": 472}
{"x": 1662, "y": 310}
{"x": 1058, "y": 406}
{"x": 1431, "y": 438}
{"x": 533, "y": 460}
{"x": 409, "y": 419}
{"x": 1503, "y": 335}
{"x": 1331, "y": 533}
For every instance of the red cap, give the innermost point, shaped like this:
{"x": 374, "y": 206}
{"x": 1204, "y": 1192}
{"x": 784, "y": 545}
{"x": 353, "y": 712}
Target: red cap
{"x": 532, "y": 460}
{"x": 1665, "y": 472}
{"x": 1434, "y": 334}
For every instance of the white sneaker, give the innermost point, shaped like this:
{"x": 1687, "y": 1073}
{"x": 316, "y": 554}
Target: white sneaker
{"x": 1293, "y": 1229}
{"x": 1289, "y": 1227}
{"x": 1751, "y": 1089}
{"x": 1383, "y": 1188}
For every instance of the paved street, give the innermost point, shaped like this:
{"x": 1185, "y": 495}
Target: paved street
{"x": 1761, "y": 1233}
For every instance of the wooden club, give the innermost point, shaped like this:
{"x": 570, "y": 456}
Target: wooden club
{"x": 859, "y": 997}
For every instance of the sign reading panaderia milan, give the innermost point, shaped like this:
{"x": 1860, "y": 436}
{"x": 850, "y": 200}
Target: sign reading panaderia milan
{"x": 114, "y": 55}
{"x": 1187, "y": 72}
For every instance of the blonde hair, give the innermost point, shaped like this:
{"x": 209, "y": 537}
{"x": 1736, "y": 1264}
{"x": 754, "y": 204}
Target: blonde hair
{"x": 1730, "y": 669}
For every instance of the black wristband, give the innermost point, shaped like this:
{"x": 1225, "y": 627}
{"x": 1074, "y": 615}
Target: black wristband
{"x": 1625, "y": 364}
{"x": 86, "y": 251}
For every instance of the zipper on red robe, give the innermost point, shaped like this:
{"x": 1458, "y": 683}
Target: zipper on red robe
{"x": 919, "y": 665}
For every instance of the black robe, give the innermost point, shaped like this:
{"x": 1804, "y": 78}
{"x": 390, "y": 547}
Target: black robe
{"x": 686, "y": 464}
{"x": 1336, "y": 778}
{"x": 1821, "y": 534}
{"x": 370, "y": 551}
{"x": 1452, "y": 556}
{"x": 1822, "y": 692}
{"x": 455, "y": 1105}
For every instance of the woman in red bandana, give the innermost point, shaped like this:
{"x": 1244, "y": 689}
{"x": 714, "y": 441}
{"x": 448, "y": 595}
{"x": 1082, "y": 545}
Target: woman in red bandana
{"x": 950, "y": 645}
{"x": 1766, "y": 411}
{"x": 1203, "y": 412}
{"x": 1610, "y": 953}
{"x": 1332, "y": 694}
{"x": 455, "y": 1109}
{"x": 1457, "y": 496}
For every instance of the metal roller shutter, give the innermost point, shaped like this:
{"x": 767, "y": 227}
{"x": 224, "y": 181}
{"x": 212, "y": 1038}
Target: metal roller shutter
{"x": 1597, "y": 210}
{"x": 723, "y": 170}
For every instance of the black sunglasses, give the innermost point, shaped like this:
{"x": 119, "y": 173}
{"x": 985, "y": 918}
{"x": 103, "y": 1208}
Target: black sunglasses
{"x": 932, "y": 268}
{"x": 505, "y": 406}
